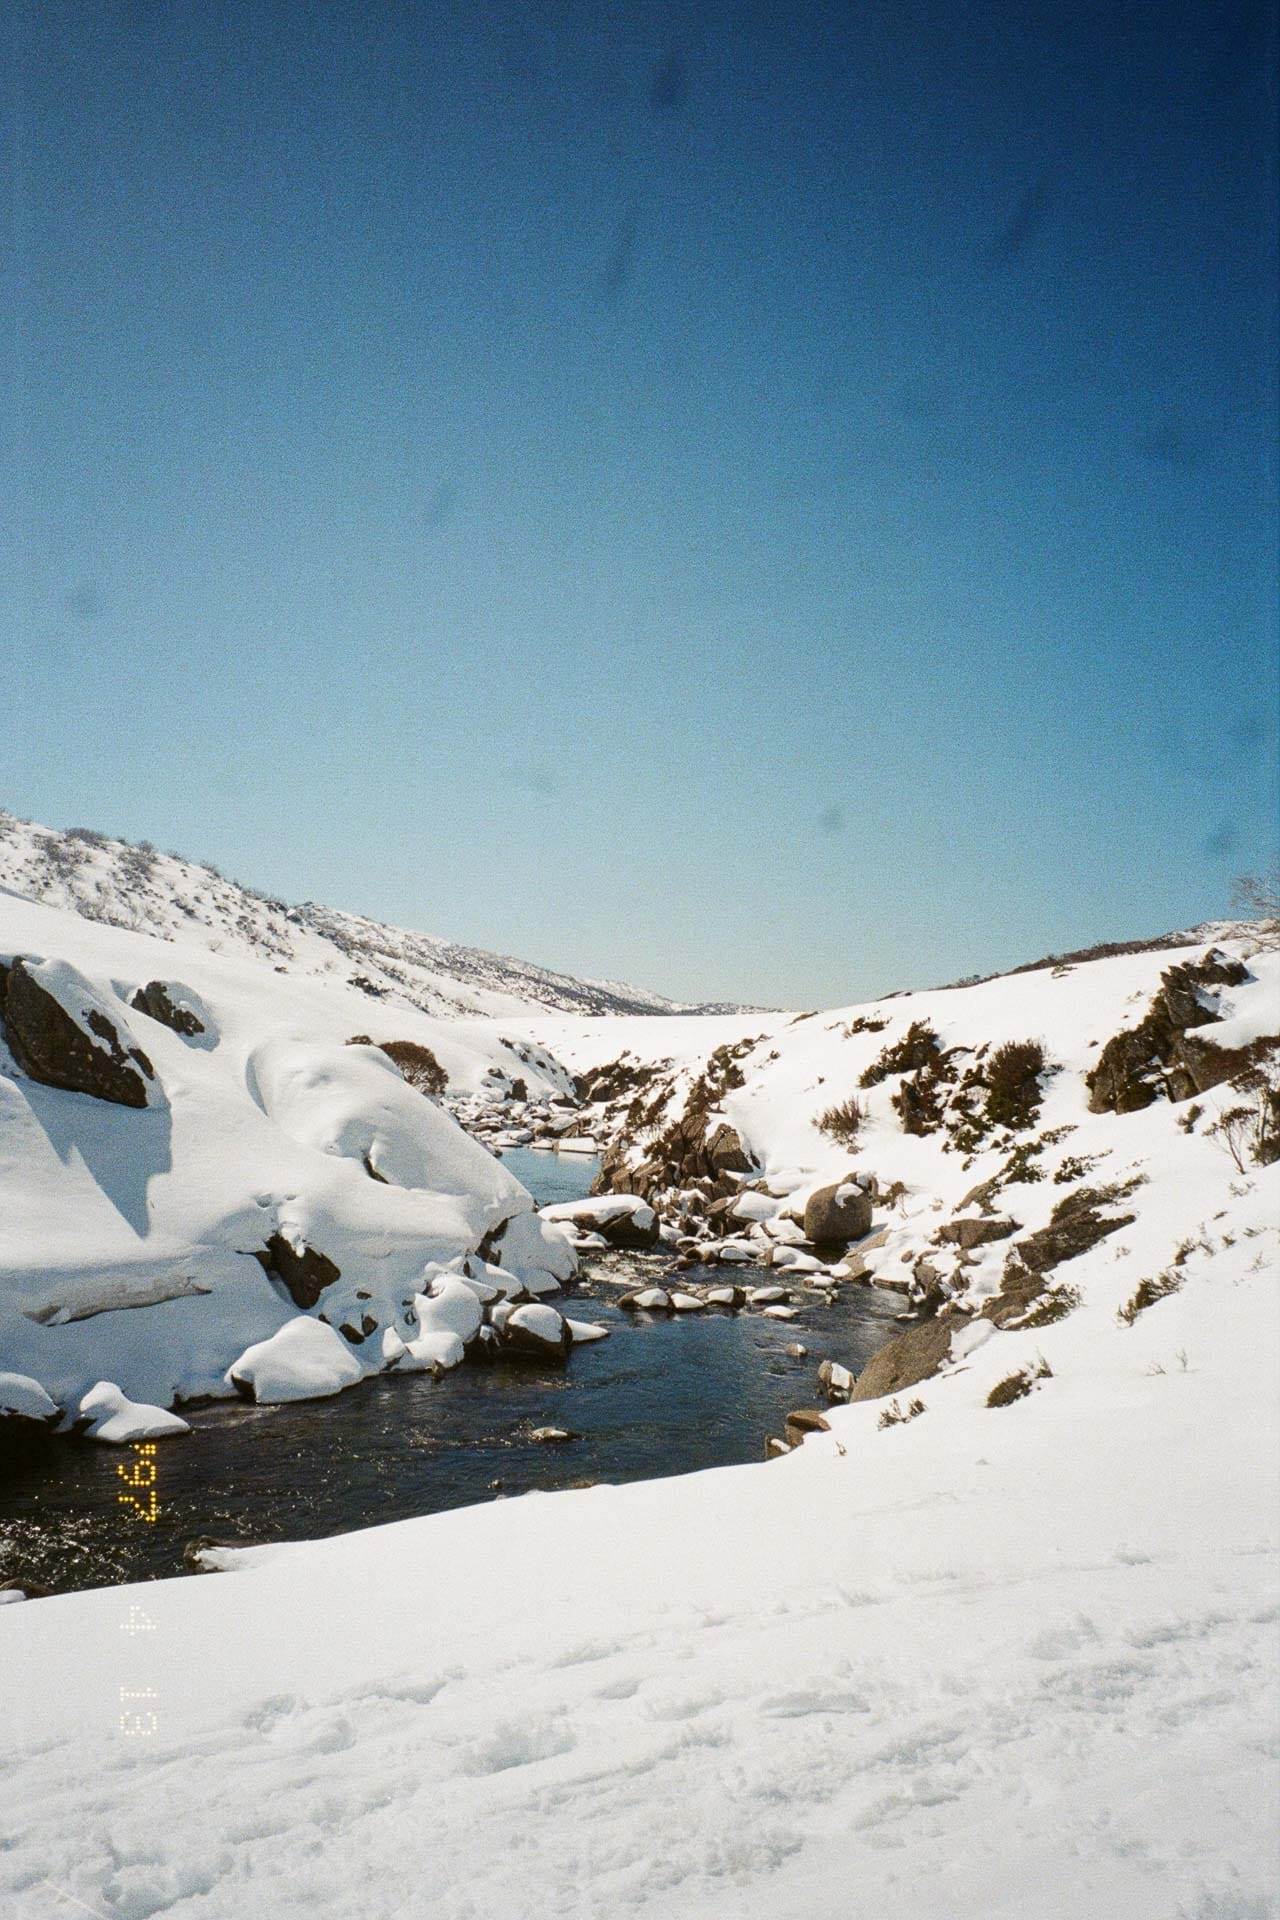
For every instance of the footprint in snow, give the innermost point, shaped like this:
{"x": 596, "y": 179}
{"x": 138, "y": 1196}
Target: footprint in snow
{"x": 796, "y": 1706}
{"x": 518, "y": 1746}
{"x": 268, "y": 1713}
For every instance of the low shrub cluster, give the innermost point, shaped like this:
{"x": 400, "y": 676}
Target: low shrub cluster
{"x": 895, "y": 1416}
{"x": 417, "y": 1063}
{"x": 843, "y": 1123}
{"x": 1018, "y": 1385}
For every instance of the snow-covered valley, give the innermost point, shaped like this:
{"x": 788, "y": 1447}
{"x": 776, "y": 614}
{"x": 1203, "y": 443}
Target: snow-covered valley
{"x": 995, "y": 1629}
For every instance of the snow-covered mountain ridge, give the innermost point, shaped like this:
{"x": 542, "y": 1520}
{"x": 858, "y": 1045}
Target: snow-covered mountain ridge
{"x": 162, "y": 894}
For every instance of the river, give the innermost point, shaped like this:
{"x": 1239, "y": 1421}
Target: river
{"x": 663, "y": 1395}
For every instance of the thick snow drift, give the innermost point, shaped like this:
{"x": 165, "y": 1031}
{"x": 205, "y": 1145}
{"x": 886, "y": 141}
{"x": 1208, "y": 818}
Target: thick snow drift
{"x": 274, "y": 1168}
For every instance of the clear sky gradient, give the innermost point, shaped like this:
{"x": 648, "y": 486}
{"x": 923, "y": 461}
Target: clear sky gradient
{"x": 774, "y": 502}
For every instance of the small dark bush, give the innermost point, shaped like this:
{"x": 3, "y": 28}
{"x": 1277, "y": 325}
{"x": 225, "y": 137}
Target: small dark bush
{"x": 417, "y": 1063}
{"x": 1012, "y": 1074}
{"x": 1148, "y": 1292}
{"x": 893, "y": 1415}
{"x": 1018, "y": 1385}
{"x": 917, "y": 1051}
{"x": 919, "y": 1101}
{"x": 844, "y": 1123}
{"x": 1051, "y": 1306}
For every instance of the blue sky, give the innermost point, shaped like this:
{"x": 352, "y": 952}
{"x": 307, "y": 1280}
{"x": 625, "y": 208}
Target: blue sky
{"x": 768, "y": 502}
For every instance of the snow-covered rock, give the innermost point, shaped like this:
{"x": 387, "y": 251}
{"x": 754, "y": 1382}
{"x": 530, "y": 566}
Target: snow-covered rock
{"x": 449, "y": 1305}
{"x": 303, "y": 1360}
{"x": 536, "y": 1330}
{"x": 105, "y": 1414}
{"x": 621, "y": 1219}
{"x": 25, "y": 1399}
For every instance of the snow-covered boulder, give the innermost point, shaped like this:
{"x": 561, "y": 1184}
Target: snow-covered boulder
{"x": 535, "y": 1249}
{"x": 537, "y": 1331}
{"x": 63, "y": 1033}
{"x": 646, "y": 1300}
{"x": 175, "y": 1007}
{"x": 354, "y": 1103}
{"x": 836, "y": 1214}
{"x": 583, "y": 1332}
{"x": 435, "y": 1350}
{"x": 448, "y": 1306}
{"x": 305, "y": 1360}
{"x": 105, "y": 1414}
{"x": 22, "y": 1398}
{"x": 625, "y": 1220}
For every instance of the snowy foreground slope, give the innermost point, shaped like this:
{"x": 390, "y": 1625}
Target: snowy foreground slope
{"x": 1002, "y": 1662}
{"x": 161, "y": 894}
{"x": 1003, "y": 1642}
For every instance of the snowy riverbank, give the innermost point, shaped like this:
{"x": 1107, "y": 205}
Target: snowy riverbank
{"x": 1016, "y": 1661}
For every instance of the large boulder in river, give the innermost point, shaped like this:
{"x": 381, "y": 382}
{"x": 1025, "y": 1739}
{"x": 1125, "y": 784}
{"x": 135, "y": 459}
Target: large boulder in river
{"x": 62, "y": 1034}
{"x": 837, "y": 1214}
{"x": 535, "y": 1332}
{"x": 625, "y": 1220}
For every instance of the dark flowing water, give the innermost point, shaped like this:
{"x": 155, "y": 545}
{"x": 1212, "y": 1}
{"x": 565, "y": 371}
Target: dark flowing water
{"x": 664, "y": 1394}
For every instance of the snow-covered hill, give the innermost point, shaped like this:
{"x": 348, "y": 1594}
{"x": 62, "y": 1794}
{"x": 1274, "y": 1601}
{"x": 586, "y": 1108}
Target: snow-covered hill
{"x": 192, "y": 1149}
{"x": 138, "y": 888}
{"x": 996, "y": 1637}
{"x": 1000, "y": 1642}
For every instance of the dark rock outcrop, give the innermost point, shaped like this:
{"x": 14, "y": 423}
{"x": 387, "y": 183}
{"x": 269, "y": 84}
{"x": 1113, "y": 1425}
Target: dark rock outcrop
{"x": 156, "y": 1001}
{"x": 1156, "y": 1059}
{"x": 304, "y": 1271}
{"x": 968, "y": 1231}
{"x": 51, "y": 1047}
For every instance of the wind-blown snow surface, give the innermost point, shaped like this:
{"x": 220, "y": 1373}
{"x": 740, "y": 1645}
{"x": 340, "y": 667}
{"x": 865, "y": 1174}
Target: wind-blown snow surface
{"x": 127, "y": 1235}
{"x": 162, "y": 894}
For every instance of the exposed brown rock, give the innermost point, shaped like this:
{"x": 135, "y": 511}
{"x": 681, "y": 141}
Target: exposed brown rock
{"x": 967, "y": 1231}
{"x": 304, "y": 1270}
{"x": 53, "y": 1048}
{"x": 804, "y": 1421}
{"x": 1155, "y": 1059}
{"x": 913, "y": 1356}
{"x": 836, "y": 1214}
{"x": 157, "y": 1003}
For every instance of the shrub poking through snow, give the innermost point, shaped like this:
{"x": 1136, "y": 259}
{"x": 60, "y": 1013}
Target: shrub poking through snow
{"x": 844, "y": 1123}
{"x": 1148, "y": 1292}
{"x": 1250, "y": 1131}
{"x": 1016, "y": 1386}
{"x": 1012, "y": 1075}
{"x": 1054, "y": 1305}
{"x": 417, "y": 1064}
{"x": 916, "y": 1052}
{"x": 895, "y": 1416}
